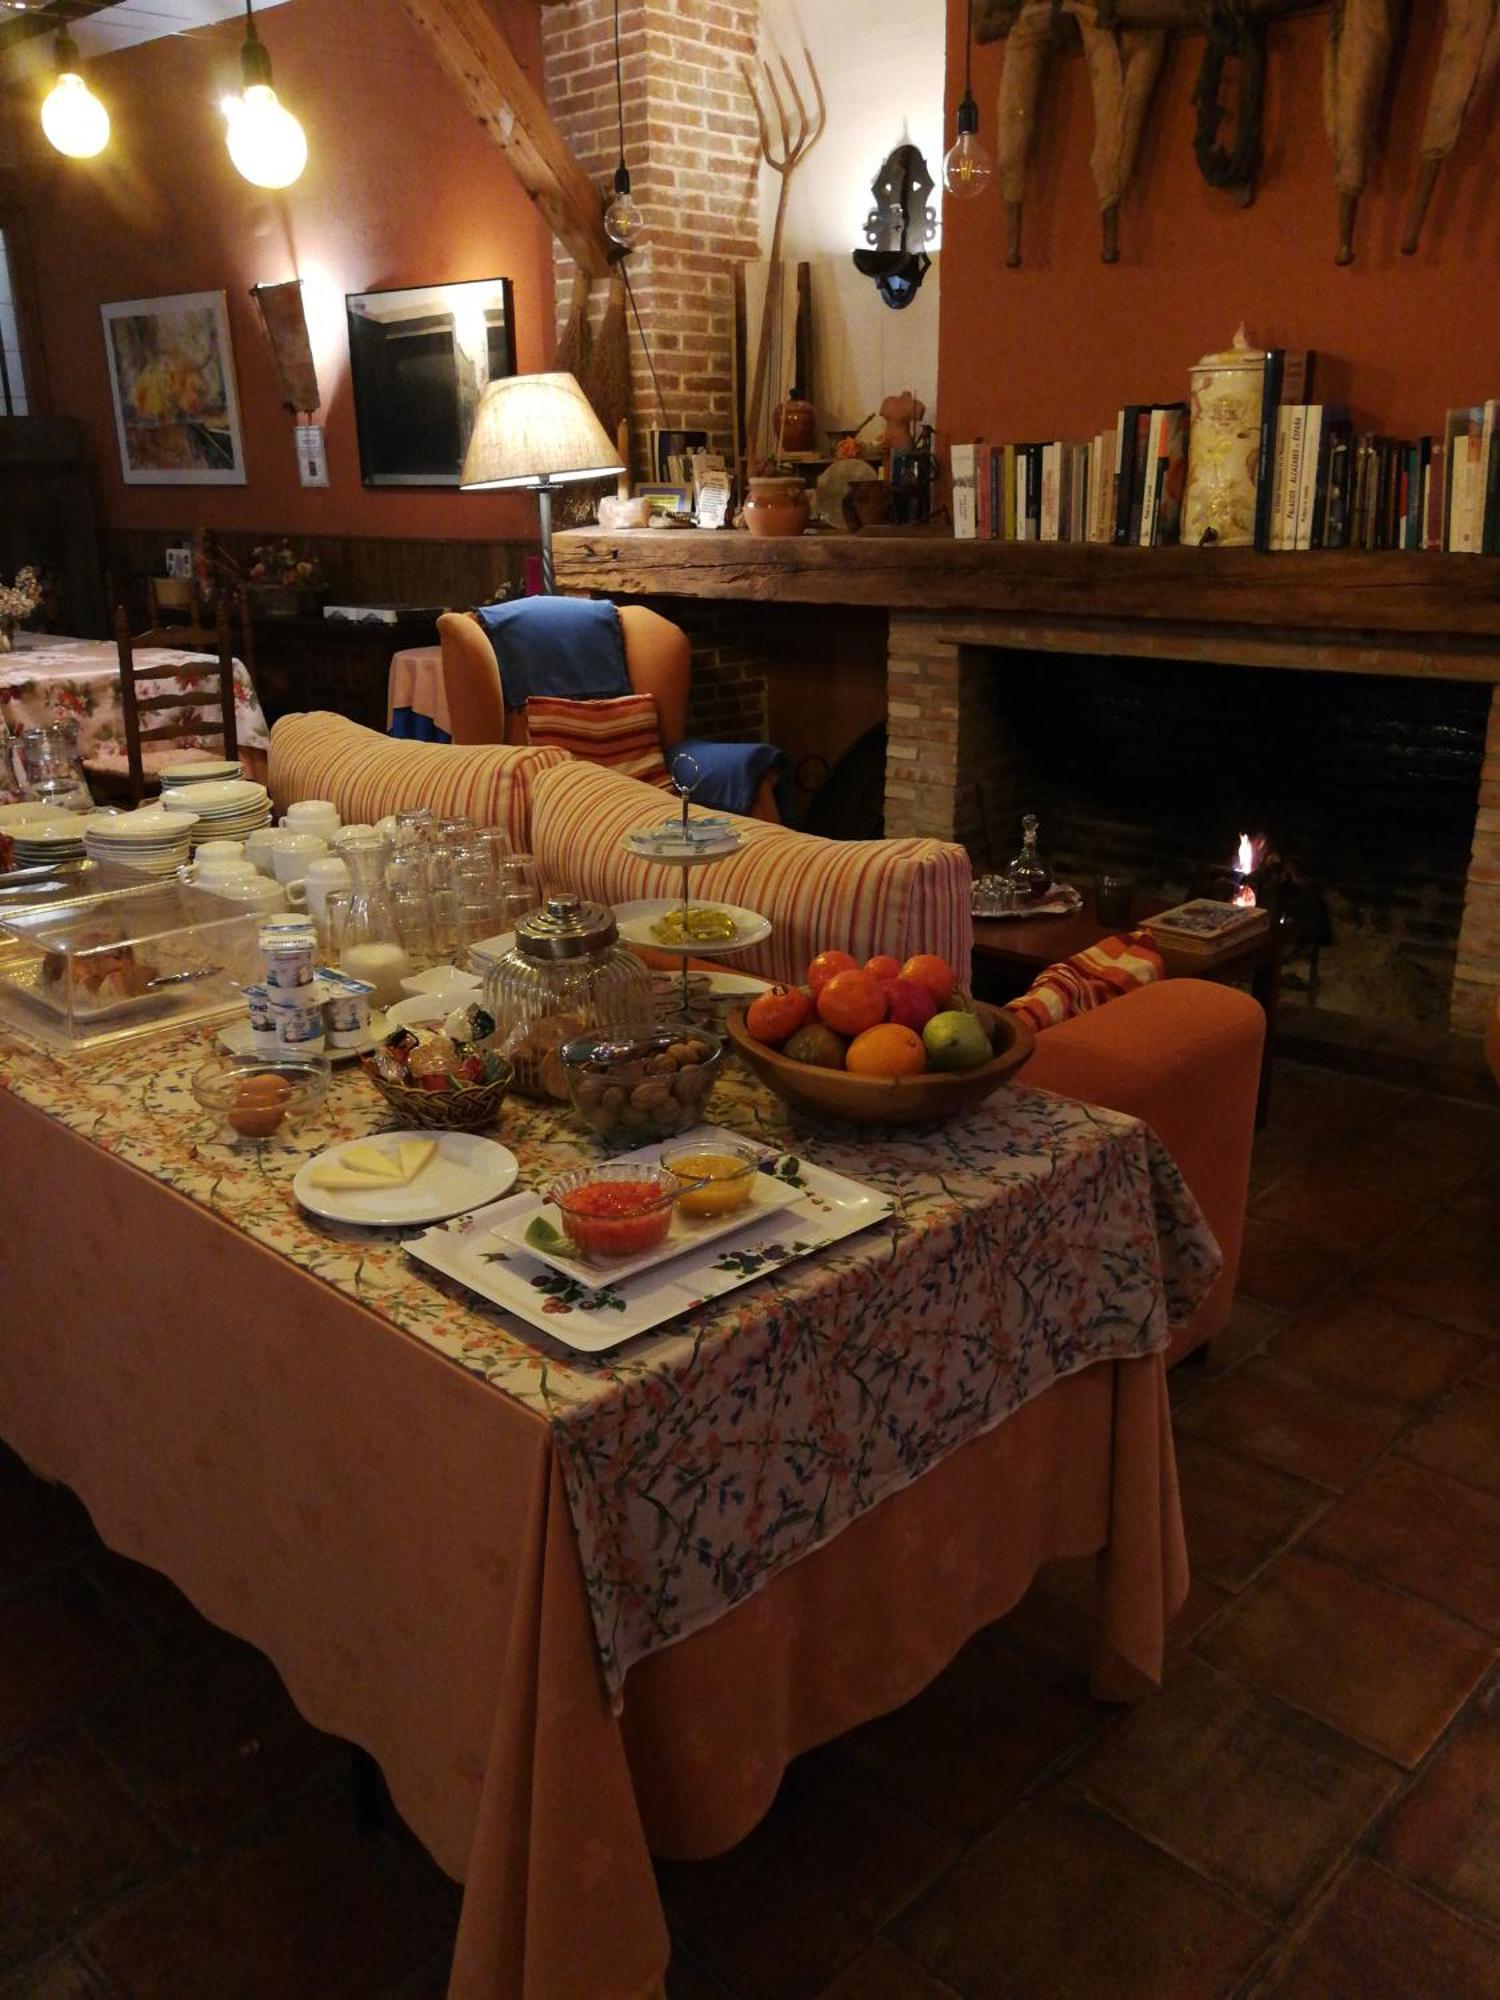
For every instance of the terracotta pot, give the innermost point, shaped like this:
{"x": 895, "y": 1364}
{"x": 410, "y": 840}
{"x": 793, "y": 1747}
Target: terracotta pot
{"x": 776, "y": 506}
{"x": 794, "y": 425}
{"x": 868, "y": 502}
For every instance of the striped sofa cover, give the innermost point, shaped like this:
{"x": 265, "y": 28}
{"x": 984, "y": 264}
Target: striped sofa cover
{"x": 323, "y": 756}
{"x": 864, "y": 896}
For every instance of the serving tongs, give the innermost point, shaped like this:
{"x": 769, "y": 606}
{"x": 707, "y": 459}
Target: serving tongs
{"x": 182, "y": 978}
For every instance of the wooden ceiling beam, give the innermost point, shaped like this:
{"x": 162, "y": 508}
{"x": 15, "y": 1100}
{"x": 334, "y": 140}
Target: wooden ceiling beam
{"x": 993, "y": 19}
{"x": 468, "y": 42}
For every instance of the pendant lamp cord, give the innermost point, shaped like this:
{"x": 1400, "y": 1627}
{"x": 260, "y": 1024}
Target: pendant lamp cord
{"x": 619, "y": 86}
{"x": 968, "y": 43}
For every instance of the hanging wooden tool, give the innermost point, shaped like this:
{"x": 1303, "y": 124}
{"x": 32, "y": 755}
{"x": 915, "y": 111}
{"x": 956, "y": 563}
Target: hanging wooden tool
{"x": 1028, "y": 55}
{"x": 796, "y": 141}
{"x": 1468, "y": 63}
{"x": 1124, "y": 65}
{"x": 1361, "y": 36}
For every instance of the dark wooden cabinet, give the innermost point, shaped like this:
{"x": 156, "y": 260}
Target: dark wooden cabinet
{"x": 306, "y": 663}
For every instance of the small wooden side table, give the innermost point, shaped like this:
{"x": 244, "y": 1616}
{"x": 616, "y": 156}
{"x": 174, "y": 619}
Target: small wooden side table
{"x": 1010, "y": 952}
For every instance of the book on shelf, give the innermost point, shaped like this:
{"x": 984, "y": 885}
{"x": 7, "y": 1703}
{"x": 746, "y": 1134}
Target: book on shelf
{"x": 964, "y": 498}
{"x": 1206, "y": 926}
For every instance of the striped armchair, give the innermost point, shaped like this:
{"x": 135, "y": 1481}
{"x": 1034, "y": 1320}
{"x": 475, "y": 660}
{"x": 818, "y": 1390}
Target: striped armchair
{"x": 865, "y": 896}
{"x": 367, "y": 775}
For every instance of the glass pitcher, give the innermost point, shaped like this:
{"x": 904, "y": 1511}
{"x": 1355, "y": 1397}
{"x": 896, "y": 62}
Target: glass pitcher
{"x": 51, "y": 768}
{"x": 370, "y": 946}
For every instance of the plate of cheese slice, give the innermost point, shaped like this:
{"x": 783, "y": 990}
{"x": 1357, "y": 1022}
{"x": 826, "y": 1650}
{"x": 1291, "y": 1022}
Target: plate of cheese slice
{"x": 405, "y": 1178}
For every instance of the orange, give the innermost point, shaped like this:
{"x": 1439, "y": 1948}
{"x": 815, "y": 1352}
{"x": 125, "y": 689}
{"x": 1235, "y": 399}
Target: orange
{"x": 883, "y": 967}
{"x": 852, "y": 1002}
{"x": 889, "y": 1050}
{"x": 825, "y": 965}
{"x": 772, "y": 1017}
{"x": 935, "y": 973}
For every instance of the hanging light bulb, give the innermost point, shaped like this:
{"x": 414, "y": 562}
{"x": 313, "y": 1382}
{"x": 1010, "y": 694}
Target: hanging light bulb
{"x": 623, "y": 221}
{"x": 72, "y": 117}
{"x": 266, "y": 143}
{"x": 967, "y": 167}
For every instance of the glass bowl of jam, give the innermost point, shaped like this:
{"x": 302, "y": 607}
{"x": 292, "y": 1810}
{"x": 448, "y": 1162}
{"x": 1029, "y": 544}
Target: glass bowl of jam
{"x": 714, "y": 1176}
{"x": 621, "y": 1210}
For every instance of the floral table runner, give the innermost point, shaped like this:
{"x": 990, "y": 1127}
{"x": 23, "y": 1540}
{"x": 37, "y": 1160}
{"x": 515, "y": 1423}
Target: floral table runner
{"x": 53, "y": 679}
{"x": 1027, "y": 1240}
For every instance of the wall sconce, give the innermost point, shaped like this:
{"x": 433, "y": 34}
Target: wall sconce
{"x": 898, "y": 228}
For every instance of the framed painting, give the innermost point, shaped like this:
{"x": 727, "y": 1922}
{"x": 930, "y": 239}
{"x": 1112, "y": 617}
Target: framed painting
{"x": 171, "y": 373}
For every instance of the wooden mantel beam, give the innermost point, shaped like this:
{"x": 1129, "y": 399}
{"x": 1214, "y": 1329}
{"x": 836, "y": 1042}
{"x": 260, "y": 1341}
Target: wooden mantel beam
{"x": 468, "y": 42}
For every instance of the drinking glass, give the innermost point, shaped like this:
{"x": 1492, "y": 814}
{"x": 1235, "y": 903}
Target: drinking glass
{"x": 335, "y": 920}
{"x": 520, "y": 886}
{"x": 407, "y": 879}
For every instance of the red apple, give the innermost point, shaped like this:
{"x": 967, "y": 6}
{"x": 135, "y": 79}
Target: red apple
{"x": 910, "y": 1005}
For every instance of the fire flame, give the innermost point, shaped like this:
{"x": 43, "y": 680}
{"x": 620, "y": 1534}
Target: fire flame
{"x": 1246, "y": 861}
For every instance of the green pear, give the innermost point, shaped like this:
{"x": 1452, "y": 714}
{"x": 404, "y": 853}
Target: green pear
{"x": 956, "y": 1040}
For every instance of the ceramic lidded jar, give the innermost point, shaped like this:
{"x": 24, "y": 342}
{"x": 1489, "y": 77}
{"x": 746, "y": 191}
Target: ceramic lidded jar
{"x": 1224, "y": 447}
{"x": 776, "y": 506}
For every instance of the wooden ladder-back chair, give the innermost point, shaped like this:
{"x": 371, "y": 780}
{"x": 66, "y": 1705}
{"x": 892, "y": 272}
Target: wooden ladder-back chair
{"x": 188, "y": 703}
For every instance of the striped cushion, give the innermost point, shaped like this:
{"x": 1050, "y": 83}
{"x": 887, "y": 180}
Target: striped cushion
{"x": 863, "y": 896}
{"x": 368, "y": 775}
{"x": 622, "y": 732}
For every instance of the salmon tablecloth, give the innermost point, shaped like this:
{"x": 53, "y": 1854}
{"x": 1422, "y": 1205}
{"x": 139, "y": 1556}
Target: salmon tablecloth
{"x": 270, "y": 1411}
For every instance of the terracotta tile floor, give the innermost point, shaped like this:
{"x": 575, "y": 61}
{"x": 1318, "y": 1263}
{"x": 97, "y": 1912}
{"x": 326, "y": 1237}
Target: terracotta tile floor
{"x": 1310, "y": 1810}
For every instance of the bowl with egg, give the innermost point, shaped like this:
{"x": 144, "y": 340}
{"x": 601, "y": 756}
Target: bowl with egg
{"x": 257, "y": 1097}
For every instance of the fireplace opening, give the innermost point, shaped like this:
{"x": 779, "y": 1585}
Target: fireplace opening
{"x": 1364, "y": 787}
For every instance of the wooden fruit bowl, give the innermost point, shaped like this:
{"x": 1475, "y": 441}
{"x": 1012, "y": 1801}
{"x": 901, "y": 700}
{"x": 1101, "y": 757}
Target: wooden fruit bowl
{"x": 876, "y": 1100}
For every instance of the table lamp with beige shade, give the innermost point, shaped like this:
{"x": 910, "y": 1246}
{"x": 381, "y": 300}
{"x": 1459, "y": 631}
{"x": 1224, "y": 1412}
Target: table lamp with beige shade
{"x": 537, "y": 431}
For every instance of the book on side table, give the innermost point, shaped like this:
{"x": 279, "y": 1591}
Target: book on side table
{"x": 1206, "y": 927}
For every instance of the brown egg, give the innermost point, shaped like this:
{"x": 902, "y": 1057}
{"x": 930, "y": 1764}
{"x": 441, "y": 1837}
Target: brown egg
{"x": 259, "y": 1104}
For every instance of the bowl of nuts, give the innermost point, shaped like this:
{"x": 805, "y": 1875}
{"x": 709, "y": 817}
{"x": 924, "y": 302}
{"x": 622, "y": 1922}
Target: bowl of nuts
{"x": 648, "y": 1087}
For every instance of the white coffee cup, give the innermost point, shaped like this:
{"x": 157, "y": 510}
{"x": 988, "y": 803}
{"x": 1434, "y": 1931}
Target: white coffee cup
{"x": 262, "y": 844}
{"x": 319, "y": 816}
{"x": 294, "y": 853}
{"x": 232, "y": 850}
{"x": 324, "y": 878}
{"x": 354, "y": 831}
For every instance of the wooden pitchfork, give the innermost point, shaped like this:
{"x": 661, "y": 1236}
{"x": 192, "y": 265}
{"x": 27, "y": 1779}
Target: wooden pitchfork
{"x": 796, "y": 142}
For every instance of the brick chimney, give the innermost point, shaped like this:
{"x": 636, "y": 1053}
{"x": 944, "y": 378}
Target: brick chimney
{"x": 690, "y": 143}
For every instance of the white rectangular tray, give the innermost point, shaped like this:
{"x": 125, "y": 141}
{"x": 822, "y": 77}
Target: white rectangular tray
{"x": 592, "y": 1318}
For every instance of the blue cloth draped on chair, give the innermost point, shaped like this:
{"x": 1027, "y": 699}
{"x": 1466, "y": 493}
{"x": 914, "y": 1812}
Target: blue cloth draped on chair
{"x": 415, "y": 728}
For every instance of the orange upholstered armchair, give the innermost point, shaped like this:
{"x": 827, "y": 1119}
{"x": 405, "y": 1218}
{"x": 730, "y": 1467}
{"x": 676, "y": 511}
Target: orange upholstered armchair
{"x": 658, "y": 661}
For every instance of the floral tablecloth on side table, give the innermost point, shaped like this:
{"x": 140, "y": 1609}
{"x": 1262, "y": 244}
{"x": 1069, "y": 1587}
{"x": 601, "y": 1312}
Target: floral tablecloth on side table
{"x": 48, "y": 679}
{"x": 1028, "y": 1240}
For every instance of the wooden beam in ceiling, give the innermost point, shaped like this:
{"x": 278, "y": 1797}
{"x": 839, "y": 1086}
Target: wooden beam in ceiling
{"x": 468, "y": 42}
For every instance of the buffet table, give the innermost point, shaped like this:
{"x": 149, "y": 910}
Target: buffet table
{"x": 581, "y": 1609}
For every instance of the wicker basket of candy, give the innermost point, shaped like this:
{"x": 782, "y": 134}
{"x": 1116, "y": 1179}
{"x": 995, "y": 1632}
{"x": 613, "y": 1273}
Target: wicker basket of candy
{"x": 452, "y": 1080}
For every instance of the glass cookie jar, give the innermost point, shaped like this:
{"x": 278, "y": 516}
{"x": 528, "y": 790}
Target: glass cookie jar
{"x": 566, "y": 974}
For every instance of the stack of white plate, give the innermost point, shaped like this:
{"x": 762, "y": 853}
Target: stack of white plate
{"x": 39, "y": 834}
{"x": 150, "y": 841}
{"x": 210, "y": 771}
{"x": 226, "y": 808}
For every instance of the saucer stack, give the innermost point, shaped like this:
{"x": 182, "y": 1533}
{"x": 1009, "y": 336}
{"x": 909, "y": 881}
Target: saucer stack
{"x": 149, "y": 841}
{"x": 225, "y": 808}
{"x": 39, "y": 834}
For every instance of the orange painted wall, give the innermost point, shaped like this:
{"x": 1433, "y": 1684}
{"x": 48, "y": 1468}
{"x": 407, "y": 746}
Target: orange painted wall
{"x": 1053, "y": 349}
{"x": 401, "y": 188}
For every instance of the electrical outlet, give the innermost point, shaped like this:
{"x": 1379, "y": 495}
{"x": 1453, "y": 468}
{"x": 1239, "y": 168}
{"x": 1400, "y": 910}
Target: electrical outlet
{"x": 312, "y": 460}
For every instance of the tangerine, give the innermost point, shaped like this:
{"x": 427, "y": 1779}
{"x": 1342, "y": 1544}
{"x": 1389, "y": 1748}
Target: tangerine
{"x": 825, "y": 965}
{"x": 936, "y": 974}
{"x": 886, "y": 1050}
{"x": 883, "y": 967}
{"x": 772, "y": 1017}
{"x": 851, "y": 1002}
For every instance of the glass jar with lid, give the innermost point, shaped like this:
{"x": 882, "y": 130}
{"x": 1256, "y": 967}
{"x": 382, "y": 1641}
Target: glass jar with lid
{"x": 566, "y": 974}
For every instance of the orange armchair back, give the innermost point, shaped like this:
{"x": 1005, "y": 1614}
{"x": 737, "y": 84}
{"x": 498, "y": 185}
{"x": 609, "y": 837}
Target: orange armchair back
{"x": 658, "y": 661}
